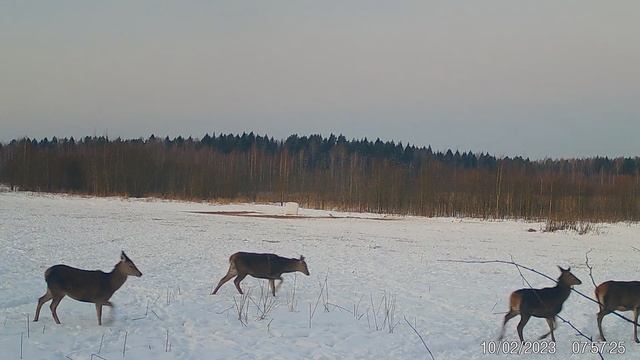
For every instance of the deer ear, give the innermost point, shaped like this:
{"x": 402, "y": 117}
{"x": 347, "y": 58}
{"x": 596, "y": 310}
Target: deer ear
{"x": 561, "y": 269}
{"x": 569, "y": 268}
{"x": 301, "y": 258}
{"x": 123, "y": 256}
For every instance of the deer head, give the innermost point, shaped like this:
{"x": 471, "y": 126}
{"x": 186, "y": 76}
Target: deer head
{"x": 302, "y": 266}
{"x": 566, "y": 277}
{"x": 127, "y": 266}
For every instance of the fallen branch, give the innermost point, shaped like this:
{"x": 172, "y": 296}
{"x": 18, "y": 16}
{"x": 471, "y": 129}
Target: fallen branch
{"x": 225, "y": 310}
{"x": 341, "y": 308}
{"x": 580, "y": 333}
{"x": 420, "y": 336}
{"x": 537, "y": 272}
{"x": 557, "y": 315}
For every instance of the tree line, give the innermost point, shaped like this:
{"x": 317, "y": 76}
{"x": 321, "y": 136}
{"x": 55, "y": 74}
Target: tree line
{"x": 329, "y": 173}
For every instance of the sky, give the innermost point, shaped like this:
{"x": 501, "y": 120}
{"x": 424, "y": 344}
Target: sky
{"x": 536, "y": 78}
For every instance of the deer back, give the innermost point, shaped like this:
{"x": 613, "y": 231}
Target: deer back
{"x": 542, "y": 302}
{"x": 619, "y": 295}
{"x": 266, "y": 266}
{"x": 90, "y": 285}
{"x": 546, "y": 302}
{"x": 82, "y": 285}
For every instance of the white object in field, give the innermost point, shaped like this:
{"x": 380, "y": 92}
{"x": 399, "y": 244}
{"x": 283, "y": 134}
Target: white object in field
{"x": 291, "y": 208}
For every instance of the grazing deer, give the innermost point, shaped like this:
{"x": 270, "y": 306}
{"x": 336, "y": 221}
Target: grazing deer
{"x": 262, "y": 266}
{"x": 621, "y": 296}
{"x": 543, "y": 303}
{"x": 84, "y": 285}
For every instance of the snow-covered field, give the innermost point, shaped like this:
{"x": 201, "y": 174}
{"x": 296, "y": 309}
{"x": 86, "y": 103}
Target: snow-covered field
{"x": 454, "y": 306}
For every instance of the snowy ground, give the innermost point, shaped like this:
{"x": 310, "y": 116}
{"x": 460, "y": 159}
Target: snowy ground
{"x": 454, "y": 306}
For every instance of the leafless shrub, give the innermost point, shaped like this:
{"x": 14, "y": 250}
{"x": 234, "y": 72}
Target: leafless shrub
{"x": 584, "y": 227}
{"x": 265, "y": 303}
{"x": 292, "y": 302}
{"x": 321, "y": 295}
{"x": 383, "y": 314}
{"x": 242, "y": 307}
{"x": 269, "y": 327}
{"x": 389, "y": 311}
{"x": 581, "y": 227}
{"x": 124, "y": 345}
{"x": 356, "y": 310}
{"x": 373, "y": 313}
{"x": 325, "y": 294}
{"x": 101, "y": 342}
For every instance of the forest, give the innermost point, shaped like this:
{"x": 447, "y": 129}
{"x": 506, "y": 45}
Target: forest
{"x": 329, "y": 173}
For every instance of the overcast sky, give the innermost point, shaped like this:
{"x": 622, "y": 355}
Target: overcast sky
{"x": 535, "y": 78}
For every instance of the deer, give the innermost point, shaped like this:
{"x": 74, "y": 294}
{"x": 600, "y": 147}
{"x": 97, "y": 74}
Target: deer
{"x": 262, "y": 266}
{"x": 543, "y": 303}
{"x": 621, "y": 296}
{"x": 93, "y": 286}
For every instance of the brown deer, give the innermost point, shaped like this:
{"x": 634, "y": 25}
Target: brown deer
{"x": 543, "y": 303}
{"x": 84, "y": 285}
{"x": 621, "y": 296}
{"x": 262, "y": 266}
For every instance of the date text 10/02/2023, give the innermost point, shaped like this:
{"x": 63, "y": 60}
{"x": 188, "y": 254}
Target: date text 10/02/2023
{"x": 546, "y": 347}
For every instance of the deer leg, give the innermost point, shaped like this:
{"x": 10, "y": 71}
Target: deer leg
{"x": 279, "y": 283}
{"x": 523, "y": 321}
{"x": 43, "y": 299}
{"x": 237, "y": 281}
{"x": 510, "y": 315}
{"x": 635, "y": 325}
{"x": 272, "y": 286}
{"x": 108, "y": 303}
{"x": 99, "y": 313}
{"x": 224, "y": 279}
{"x": 54, "y": 306}
{"x": 552, "y": 326}
{"x": 601, "y": 315}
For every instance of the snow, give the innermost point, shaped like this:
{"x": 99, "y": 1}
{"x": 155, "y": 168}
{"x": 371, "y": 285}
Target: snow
{"x": 183, "y": 254}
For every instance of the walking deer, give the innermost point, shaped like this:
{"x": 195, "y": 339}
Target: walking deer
{"x": 543, "y": 303}
{"x": 621, "y": 296}
{"x": 262, "y": 266}
{"x": 85, "y": 285}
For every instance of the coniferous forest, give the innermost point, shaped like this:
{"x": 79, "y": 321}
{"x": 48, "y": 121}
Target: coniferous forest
{"x": 329, "y": 173}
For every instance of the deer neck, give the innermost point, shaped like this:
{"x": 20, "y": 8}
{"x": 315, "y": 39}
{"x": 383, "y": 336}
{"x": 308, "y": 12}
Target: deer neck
{"x": 116, "y": 278}
{"x": 290, "y": 265}
{"x": 564, "y": 290}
